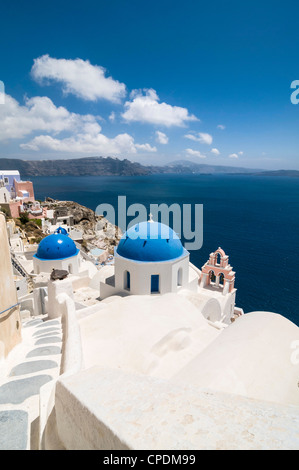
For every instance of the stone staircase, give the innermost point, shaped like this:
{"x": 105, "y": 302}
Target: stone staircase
{"x": 31, "y": 364}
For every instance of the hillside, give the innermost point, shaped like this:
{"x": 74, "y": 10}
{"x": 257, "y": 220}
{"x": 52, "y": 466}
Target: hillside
{"x": 76, "y": 167}
{"x": 111, "y": 166}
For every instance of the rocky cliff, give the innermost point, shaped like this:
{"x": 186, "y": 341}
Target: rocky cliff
{"x": 97, "y": 231}
{"x": 109, "y": 166}
{"x": 76, "y": 167}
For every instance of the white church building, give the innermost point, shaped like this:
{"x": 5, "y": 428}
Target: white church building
{"x": 151, "y": 260}
{"x": 57, "y": 251}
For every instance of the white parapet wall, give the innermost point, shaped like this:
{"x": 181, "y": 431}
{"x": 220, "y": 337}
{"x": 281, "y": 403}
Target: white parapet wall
{"x": 101, "y": 409}
{"x": 71, "y": 363}
{"x": 55, "y": 288}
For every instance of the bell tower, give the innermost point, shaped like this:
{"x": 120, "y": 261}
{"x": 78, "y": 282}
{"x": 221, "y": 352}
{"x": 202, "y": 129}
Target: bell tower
{"x": 218, "y": 273}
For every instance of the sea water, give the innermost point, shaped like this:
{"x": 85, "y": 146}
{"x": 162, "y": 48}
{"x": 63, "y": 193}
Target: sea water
{"x": 253, "y": 218}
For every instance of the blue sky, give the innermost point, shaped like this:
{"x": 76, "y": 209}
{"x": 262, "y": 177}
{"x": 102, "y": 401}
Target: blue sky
{"x": 151, "y": 81}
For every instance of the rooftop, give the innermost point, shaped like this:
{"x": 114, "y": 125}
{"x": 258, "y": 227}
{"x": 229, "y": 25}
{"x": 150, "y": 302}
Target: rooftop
{"x": 150, "y": 241}
{"x": 56, "y": 246}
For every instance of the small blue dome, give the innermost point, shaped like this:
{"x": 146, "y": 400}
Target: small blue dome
{"x": 56, "y": 246}
{"x": 61, "y": 230}
{"x": 150, "y": 241}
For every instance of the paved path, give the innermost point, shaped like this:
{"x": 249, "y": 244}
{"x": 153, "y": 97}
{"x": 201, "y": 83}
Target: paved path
{"x": 31, "y": 364}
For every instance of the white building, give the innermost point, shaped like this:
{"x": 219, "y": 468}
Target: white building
{"x": 7, "y": 180}
{"x": 48, "y": 227}
{"x": 56, "y": 251}
{"x": 149, "y": 259}
{"x": 4, "y": 195}
{"x": 166, "y": 369}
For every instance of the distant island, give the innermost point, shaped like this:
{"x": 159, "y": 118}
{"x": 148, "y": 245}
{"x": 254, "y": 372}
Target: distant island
{"x": 112, "y": 166}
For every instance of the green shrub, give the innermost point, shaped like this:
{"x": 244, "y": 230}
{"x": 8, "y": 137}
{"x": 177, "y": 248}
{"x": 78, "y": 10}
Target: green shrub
{"x": 38, "y": 222}
{"x": 24, "y": 218}
{"x": 5, "y": 212}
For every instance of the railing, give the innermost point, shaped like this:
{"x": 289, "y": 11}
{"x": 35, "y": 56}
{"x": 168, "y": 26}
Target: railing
{"x": 17, "y": 266}
{"x": 9, "y": 308}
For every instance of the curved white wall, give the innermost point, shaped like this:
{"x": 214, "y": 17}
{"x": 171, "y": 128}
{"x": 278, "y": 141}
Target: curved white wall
{"x": 252, "y": 357}
{"x": 46, "y": 266}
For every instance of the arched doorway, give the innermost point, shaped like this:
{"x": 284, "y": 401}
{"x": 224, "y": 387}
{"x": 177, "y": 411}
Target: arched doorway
{"x": 127, "y": 280}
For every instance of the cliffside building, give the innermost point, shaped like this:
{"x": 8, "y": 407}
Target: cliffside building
{"x": 15, "y": 194}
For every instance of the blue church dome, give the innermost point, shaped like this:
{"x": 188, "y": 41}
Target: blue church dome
{"x": 150, "y": 241}
{"x": 56, "y": 246}
{"x": 61, "y": 230}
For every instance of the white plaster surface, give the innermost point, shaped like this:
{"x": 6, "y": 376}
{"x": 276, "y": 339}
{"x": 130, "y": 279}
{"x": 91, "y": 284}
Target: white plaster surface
{"x": 116, "y": 410}
{"x": 153, "y": 335}
{"x": 252, "y": 357}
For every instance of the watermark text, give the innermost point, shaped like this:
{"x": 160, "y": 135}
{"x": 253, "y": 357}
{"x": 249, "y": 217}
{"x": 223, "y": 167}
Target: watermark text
{"x": 186, "y": 220}
{"x": 295, "y": 94}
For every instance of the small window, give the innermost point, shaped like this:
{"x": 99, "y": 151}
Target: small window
{"x": 127, "y": 280}
{"x": 180, "y": 277}
{"x": 6, "y": 180}
{"x": 155, "y": 283}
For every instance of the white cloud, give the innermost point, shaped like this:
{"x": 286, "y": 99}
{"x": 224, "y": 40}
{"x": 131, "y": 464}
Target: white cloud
{"x": 146, "y": 147}
{"x": 221, "y": 126}
{"x": 195, "y": 153}
{"x": 191, "y": 137}
{"x": 84, "y": 143}
{"x": 122, "y": 144}
{"x": 233, "y": 155}
{"x": 205, "y": 138}
{"x": 201, "y": 137}
{"x": 147, "y": 109}
{"x": 38, "y": 114}
{"x": 161, "y": 137}
{"x": 89, "y": 140}
{"x": 78, "y": 77}
{"x": 112, "y": 116}
{"x": 241, "y": 153}
{"x": 215, "y": 151}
